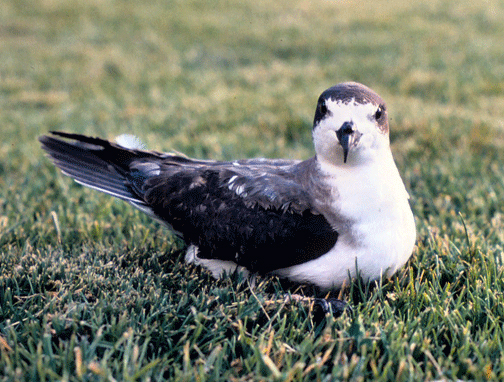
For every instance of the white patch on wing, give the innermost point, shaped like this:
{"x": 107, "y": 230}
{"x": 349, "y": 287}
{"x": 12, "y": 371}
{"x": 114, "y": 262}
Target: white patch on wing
{"x": 240, "y": 190}
{"x": 130, "y": 141}
{"x": 149, "y": 168}
{"x": 197, "y": 182}
{"x": 218, "y": 268}
{"x": 231, "y": 181}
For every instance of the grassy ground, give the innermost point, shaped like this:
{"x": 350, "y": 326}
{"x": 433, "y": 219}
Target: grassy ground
{"x": 92, "y": 290}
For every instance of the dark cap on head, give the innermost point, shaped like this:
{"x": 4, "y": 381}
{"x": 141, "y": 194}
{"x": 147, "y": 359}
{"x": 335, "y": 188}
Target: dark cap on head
{"x": 345, "y": 93}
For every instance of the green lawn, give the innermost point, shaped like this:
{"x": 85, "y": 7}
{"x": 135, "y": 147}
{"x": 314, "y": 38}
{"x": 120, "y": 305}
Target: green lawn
{"x": 91, "y": 289}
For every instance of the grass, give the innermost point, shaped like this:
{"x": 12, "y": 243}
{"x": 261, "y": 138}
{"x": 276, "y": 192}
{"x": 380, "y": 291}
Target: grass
{"x": 92, "y": 290}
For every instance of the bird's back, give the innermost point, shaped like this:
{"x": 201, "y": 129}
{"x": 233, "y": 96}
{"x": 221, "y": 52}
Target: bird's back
{"x": 254, "y": 212}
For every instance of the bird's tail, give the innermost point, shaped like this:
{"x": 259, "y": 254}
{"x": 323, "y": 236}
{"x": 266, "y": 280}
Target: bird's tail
{"x": 98, "y": 164}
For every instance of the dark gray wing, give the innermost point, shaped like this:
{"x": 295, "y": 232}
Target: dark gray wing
{"x": 257, "y": 213}
{"x": 97, "y": 163}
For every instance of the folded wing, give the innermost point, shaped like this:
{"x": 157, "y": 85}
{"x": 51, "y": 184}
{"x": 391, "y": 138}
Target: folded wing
{"x": 256, "y": 213}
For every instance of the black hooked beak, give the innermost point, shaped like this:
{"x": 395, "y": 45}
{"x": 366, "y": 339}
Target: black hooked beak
{"x": 347, "y": 137}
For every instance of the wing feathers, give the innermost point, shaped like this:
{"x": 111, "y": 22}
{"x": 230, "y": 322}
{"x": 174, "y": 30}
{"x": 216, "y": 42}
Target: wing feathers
{"x": 85, "y": 166}
{"x": 247, "y": 211}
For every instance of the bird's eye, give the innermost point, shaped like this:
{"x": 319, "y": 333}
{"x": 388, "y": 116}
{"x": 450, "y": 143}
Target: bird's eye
{"x": 379, "y": 112}
{"x": 323, "y": 108}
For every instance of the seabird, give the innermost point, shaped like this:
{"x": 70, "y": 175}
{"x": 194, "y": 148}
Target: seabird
{"x": 340, "y": 214}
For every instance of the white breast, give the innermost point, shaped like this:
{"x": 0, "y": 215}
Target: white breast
{"x": 376, "y": 226}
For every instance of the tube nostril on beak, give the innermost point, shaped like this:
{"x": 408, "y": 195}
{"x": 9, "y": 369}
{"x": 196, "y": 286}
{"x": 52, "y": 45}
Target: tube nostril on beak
{"x": 347, "y": 128}
{"x": 344, "y": 134}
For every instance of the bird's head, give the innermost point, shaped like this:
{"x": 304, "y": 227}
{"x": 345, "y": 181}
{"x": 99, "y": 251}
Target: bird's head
{"x": 351, "y": 125}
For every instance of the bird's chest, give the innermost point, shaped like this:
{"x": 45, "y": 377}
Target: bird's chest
{"x": 374, "y": 222}
{"x": 368, "y": 209}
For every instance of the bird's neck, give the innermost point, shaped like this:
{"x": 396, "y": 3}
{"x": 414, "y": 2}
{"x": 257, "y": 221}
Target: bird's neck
{"x": 376, "y": 176}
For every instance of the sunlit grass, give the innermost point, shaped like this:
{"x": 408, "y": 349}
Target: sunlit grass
{"x": 91, "y": 289}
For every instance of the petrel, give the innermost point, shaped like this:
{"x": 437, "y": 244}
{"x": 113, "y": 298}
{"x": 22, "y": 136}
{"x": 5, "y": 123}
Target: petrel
{"x": 340, "y": 214}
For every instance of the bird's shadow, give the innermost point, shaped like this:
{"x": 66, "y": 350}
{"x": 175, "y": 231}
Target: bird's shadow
{"x": 269, "y": 289}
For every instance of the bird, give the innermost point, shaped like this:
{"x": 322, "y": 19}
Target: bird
{"x": 341, "y": 214}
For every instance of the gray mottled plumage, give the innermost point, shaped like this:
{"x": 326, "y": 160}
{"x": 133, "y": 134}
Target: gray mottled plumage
{"x": 245, "y": 211}
{"x": 309, "y": 221}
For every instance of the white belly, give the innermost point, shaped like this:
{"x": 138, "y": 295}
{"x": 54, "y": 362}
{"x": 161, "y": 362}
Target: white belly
{"x": 375, "y": 249}
{"x": 376, "y": 229}
{"x": 378, "y": 251}
{"x": 375, "y": 225}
